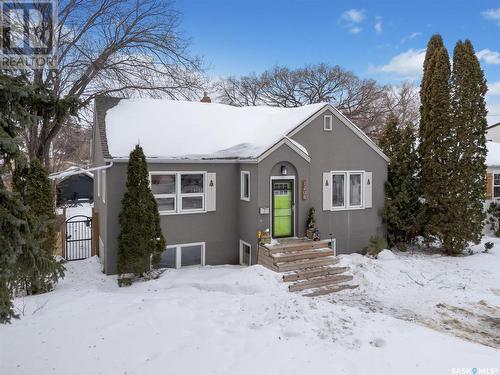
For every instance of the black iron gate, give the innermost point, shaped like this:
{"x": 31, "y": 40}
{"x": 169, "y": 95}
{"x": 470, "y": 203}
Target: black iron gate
{"x": 78, "y": 237}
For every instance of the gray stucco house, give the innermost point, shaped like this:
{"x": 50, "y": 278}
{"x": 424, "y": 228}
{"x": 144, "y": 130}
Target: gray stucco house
{"x": 221, "y": 174}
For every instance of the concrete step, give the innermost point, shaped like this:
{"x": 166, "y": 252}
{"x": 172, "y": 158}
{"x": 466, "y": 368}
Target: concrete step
{"x": 329, "y": 289}
{"x": 313, "y": 272}
{"x": 301, "y": 254}
{"x": 306, "y": 263}
{"x": 319, "y": 281}
{"x": 297, "y": 245}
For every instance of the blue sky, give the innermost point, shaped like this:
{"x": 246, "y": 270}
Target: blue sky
{"x": 384, "y": 40}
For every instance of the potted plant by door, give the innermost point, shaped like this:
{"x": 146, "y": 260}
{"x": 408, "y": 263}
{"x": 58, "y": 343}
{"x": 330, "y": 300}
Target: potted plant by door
{"x": 311, "y": 224}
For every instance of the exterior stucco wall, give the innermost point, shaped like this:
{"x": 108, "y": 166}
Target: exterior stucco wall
{"x": 248, "y": 211}
{"x": 99, "y": 206}
{"x": 218, "y": 229}
{"x": 236, "y": 219}
{"x": 340, "y": 150}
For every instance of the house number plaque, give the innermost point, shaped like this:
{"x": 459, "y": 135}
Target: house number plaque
{"x": 304, "y": 190}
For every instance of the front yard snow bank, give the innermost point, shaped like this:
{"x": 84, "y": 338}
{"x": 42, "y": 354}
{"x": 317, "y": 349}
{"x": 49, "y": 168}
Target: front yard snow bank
{"x": 233, "y": 320}
{"x": 458, "y": 295}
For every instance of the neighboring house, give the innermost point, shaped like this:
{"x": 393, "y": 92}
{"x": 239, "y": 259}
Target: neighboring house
{"x": 493, "y": 171}
{"x": 74, "y": 187}
{"x": 493, "y": 133}
{"x": 221, "y": 174}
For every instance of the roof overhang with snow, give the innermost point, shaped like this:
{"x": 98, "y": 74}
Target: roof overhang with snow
{"x": 180, "y": 131}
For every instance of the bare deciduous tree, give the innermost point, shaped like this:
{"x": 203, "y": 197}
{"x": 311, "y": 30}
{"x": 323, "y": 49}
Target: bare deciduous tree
{"x": 403, "y": 102}
{"x": 115, "y": 47}
{"x": 362, "y": 100}
{"x": 71, "y": 146}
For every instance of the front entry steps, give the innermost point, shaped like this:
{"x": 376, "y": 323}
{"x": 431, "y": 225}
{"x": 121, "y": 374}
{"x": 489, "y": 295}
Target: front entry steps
{"x": 309, "y": 266}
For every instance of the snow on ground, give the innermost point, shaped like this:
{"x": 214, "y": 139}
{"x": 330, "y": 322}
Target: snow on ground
{"x": 234, "y": 320}
{"x": 458, "y": 295}
{"x": 84, "y": 208}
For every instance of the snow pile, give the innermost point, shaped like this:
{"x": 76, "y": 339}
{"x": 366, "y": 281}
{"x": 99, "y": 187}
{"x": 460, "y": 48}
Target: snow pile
{"x": 493, "y": 155}
{"x": 234, "y": 320}
{"x": 181, "y": 129}
{"x": 458, "y": 295}
{"x": 386, "y": 255}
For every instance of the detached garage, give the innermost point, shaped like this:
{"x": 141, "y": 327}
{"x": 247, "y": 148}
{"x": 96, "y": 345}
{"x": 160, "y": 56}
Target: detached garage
{"x": 79, "y": 187}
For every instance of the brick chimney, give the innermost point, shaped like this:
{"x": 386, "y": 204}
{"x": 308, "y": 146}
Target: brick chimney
{"x": 206, "y": 98}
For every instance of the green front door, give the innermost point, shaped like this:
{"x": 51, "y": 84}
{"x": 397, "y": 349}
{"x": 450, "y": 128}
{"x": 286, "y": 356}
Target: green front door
{"x": 282, "y": 199}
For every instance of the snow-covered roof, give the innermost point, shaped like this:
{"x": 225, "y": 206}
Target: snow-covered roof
{"x": 194, "y": 130}
{"x": 71, "y": 171}
{"x": 493, "y": 156}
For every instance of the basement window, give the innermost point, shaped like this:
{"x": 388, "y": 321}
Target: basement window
{"x": 184, "y": 255}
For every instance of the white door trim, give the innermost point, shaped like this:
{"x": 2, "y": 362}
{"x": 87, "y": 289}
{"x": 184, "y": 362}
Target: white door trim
{"x": 271, "y": 213}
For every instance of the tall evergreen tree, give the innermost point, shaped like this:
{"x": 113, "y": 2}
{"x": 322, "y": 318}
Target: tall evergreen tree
{"x": 436, "y": 153}
{"x": 402, "y": 205}
{"x": 468, "y": 87}
{"x": 13, "y": 234}
{"x": 26, "y": 233}
{"x": 13, "y": 222}
{"x": 435, "y": 42}
{"x": 140, "y": 240}
{"x": 36, "y": 268}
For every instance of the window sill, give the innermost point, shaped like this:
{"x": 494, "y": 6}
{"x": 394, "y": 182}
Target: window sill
{"x": 245, "y": 199}
{"x": 346, "y": 208}
{"x": 170, "y": 213}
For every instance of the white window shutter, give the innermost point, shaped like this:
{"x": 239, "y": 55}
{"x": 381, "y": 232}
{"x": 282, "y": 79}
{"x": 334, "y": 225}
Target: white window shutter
{"x": 327, "y": 191}
{"x": 211, "y": 192}
{"x": 368, "y": 189}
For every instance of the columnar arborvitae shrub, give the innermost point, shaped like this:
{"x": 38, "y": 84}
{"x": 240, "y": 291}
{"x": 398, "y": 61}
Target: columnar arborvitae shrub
{"x": 436, "y": 153}
{"x": 140, "y": 240}
{"x": 401, "y": 206}
{"x": 37, "y": 271}
{"x": 452, "y": 145}
{"x": 468, "y": 87}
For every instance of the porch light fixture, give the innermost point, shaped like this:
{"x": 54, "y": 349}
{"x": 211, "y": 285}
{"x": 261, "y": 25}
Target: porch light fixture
{"x": 283, "y": 170}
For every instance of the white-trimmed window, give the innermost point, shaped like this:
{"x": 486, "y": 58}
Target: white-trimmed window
{"x": 179, "y": 192}
{"x": 347, "y": 189}
{"x": 183, "y": 255}
{"x": 327, "y": 123}
{"x": 496, "y": 185}
{"x": 245, "y": 186}
{"x": 245, "y": 253}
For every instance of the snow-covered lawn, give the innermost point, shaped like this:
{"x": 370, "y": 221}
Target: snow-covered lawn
{"x": 233, "y": 320}
{"x": 458, "y": 295}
